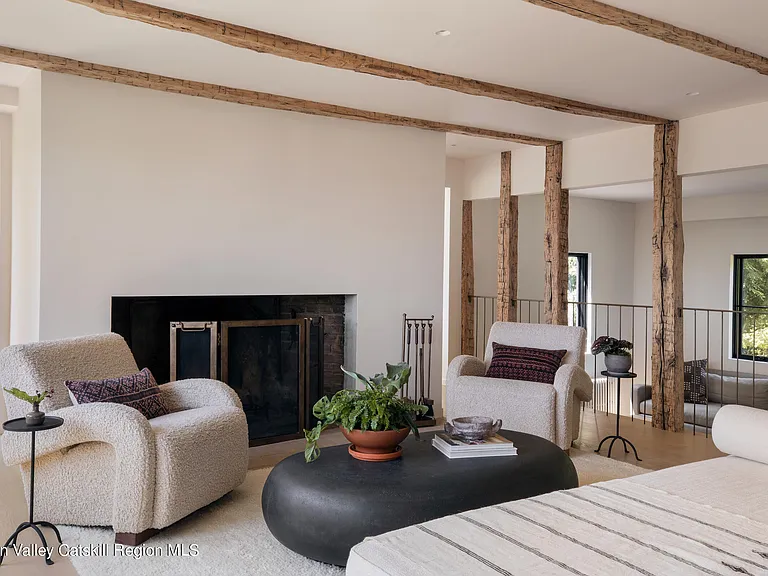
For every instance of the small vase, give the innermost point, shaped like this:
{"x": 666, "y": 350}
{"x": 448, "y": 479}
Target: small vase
{"x": 35, "y": 418}
{"x": 617, "y": 363}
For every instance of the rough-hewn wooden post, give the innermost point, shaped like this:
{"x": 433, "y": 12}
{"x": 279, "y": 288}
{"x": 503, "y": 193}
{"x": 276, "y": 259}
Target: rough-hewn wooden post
{"x": 506, "y": 294}
{"x": 467, "y": 281}
{"x": 667, "y": 349}
{"x": 555, "y": 239}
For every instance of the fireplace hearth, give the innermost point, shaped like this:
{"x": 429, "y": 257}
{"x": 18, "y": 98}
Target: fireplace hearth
{"x": 279, "y": 353}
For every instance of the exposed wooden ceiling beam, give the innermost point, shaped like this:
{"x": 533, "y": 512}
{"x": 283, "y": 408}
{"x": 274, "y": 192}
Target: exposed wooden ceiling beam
{"x": 601, "y": 13}
{"x": 50, "y": 63}
{"x": 264, "y": 42}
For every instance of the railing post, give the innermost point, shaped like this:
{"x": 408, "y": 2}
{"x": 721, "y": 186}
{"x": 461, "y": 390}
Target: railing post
{"x": 467, "y": 281}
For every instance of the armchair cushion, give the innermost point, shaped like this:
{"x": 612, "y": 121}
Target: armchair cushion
{"x": 202, "y": 453}
{"x": 520, "y": 363}
{"x": 522, "y": 406}
{"x": 139, "y": 391}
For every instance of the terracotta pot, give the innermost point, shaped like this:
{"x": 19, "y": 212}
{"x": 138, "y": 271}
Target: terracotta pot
{"x": 370, "y": 442}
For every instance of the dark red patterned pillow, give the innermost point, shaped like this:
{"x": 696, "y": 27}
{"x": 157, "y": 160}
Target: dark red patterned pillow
{"x": 528, "y": 364}
{"x": 139, "y": 391}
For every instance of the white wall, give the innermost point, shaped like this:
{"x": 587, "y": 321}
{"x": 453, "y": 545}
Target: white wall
{"x": 604, "y": 229}
{"x": 25, "y": 244}
{"x": 454, "y": 180}
{"x": 6, "y": 144}
{"x": 714, "y": 229}
{"x": 6, "y": 191}
{"x": 266, "y": 202}
{"x": 485, "y": 230}
{"x": 482, "y": 177}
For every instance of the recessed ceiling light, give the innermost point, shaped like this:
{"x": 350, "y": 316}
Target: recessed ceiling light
{"x": 443, "y": 33}
{"x": 692, "y": 93}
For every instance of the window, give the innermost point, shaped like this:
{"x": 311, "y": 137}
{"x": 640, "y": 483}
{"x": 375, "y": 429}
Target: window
{"x": 750, "y": 305}
{"x": 578, "y": 274}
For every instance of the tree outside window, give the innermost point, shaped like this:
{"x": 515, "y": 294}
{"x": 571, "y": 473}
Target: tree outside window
{"x": 750, "y": 304}
{"x": 578, "y": 272}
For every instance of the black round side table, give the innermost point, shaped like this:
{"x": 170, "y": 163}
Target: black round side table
{"x": 617, "y": 436}
{"x": 20, "y": 425}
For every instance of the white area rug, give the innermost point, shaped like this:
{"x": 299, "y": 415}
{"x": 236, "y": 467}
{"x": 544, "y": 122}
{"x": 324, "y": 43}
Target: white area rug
{"x": 233, "y": 539}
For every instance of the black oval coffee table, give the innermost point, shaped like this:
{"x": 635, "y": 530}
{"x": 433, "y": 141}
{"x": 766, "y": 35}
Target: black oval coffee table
{"x": 321, "y": 510}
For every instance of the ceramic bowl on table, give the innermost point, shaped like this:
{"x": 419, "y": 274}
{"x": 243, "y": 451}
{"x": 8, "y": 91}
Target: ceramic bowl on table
{"x": 473, "y": 427}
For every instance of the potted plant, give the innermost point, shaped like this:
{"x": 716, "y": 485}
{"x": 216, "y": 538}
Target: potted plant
{"x": 36, "y": 417}
{"x": 618, "y": 357}
{"x": 375, "y": 419}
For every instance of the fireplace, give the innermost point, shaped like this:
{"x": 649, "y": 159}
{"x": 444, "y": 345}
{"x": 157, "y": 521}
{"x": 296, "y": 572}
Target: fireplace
{"x": 279, "y": 353}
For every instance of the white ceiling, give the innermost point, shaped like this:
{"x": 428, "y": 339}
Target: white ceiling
{"x": 747, "y": 181}
{"x": 505, "y": 41}
{"x": 461, "y": 146}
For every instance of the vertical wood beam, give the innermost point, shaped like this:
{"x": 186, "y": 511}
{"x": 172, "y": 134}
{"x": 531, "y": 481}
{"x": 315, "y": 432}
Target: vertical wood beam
{"x": 668, "y": 248}
{"x": 555, "y": 239}
{"x": 506, "y": 293}
{"x": 467, "y": 281}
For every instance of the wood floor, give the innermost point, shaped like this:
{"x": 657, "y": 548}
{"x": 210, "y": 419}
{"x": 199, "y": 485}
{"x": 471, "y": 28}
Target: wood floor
{"x": 657, "y": 448}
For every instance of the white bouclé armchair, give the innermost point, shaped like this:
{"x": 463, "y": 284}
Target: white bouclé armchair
{"x": 107, "y": 465}
{"x": 550, "y": 411}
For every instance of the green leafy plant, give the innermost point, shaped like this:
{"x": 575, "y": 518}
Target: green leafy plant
{"x": 36, "y": 399}
{"x": 376, "y": 407}
{"x": 610, "y": 345}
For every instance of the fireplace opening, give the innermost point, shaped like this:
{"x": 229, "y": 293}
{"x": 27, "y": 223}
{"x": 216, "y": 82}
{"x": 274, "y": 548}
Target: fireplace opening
{"x": 280, "y": 354}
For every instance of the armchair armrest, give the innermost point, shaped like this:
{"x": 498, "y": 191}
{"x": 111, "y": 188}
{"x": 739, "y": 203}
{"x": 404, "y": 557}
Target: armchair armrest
{"x": 465, "y": 366}
{"x": 126, "y": 430}
{"x": 571, "y": 381}
{"x": 198, "y": 393}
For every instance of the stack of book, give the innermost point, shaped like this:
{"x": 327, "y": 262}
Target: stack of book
{"x": 496, "y": 445}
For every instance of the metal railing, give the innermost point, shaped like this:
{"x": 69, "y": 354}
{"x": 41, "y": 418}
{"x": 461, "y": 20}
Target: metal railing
{"x": 730, "y": 345}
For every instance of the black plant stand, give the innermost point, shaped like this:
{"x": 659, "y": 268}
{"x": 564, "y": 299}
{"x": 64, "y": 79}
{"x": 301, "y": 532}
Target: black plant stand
{"x": 20, "y": 425}
{"x": 618, "y": 436}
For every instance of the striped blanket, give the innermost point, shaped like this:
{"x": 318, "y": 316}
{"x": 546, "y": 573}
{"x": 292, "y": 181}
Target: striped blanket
{"x": 619, "y": 527}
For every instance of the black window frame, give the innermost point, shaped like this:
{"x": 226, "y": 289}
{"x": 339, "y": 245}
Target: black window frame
{"x": 582, "y": 285}
{"x": 738, "y": 306}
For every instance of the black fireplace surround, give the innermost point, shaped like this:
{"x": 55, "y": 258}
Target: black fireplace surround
{"x": 279, "y": 353}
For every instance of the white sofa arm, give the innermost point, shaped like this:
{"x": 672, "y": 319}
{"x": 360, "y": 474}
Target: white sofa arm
{"x": 126, "y": 430}
{"x": 465, "y": 365}
{"x": 198, "y": 393}
{"x": 571, "y": 383}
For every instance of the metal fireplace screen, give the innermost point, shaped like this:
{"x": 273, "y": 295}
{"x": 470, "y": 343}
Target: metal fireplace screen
{"x": 194, "y": 350}
{"x": 264, "y": 361}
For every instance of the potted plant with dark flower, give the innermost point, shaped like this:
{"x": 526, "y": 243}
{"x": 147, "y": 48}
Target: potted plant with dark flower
{"x": 375, "y": 419}
{"x": 36, "y": 417}
{"x": 618, "y": 357}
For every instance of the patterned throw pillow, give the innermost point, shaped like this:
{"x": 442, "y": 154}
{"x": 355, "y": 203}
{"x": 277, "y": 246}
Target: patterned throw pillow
{"x": 139, "y": 391}
{"x": 694, "y": 383}
{"x": 528, "y": 364}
